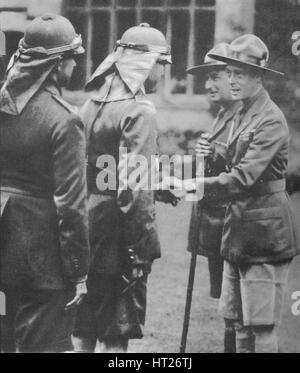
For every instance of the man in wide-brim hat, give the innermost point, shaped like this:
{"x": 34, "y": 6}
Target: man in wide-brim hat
{"x": 260, "y": 235}
{"x": 207, "y": 218}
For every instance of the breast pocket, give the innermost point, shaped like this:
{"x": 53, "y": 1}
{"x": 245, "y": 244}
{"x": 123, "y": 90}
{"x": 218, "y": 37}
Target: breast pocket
{"x": 264, "y": 231}
{"x": 242, "y": 147}
{"x": 243, "y": 142}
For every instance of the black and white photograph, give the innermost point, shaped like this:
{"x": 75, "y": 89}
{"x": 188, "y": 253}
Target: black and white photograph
{"x": 149, "y": 178}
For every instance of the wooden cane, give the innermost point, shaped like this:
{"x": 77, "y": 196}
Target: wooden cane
{"x": 190, "y": 286}
{"x": 188, "y": 304}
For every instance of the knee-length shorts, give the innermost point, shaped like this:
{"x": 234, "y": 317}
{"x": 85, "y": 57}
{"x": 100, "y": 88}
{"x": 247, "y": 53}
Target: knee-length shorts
{"x": 253, "y": 293}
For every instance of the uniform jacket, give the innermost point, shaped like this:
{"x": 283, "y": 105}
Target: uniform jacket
{"x": 207, "y": 217}
{"x": 259, "y": 225}
{"x": 122, "y": 222}
{"x": 43, "y": 231}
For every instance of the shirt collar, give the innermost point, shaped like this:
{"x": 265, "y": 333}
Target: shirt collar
{"x": 232, "y": 108}
{"x": 248, "y": 103}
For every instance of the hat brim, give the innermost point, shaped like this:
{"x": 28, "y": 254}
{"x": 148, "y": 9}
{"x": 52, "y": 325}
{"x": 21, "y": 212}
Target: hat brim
{"x": 234, "y": 61}
{"x": 204, "y": 68}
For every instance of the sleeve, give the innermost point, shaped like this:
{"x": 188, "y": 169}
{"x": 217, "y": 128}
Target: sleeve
{"x": 69, "y": 169}
{"x": 267, "y": 141}
{"x": 138, "y": 148}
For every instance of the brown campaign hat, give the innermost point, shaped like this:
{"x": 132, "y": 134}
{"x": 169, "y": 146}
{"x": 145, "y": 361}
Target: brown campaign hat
{"x": 247, "y": 50}
{"x": 221, "y": 49}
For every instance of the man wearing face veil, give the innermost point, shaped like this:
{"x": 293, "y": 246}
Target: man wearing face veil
{"x": 121, "y": 127}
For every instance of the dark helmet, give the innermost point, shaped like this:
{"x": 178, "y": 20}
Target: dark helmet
{"x": 147, "y": 39}
{"x": 53, "y": 33}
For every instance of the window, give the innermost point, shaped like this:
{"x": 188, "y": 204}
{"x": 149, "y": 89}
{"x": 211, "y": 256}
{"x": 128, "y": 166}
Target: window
{"x": 187, "y": 24}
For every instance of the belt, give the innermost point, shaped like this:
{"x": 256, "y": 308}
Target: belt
{"x": 268, "y": 187}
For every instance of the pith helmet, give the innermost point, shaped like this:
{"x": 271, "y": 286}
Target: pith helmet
{"x": 146, "y": 39}
{"x": 247, "y": 50}
{"x": 209, "y": 64}
{"x": 53, "y": 34}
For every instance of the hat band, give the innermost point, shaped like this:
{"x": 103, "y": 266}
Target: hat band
{"x": 76, "y": 43}
{"x": 145, "y": 47}
{"x": 242, "y": 57}
{"x": 213, "y": 62}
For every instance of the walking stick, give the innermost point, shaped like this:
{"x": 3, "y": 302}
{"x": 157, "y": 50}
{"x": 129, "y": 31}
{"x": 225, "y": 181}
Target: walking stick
{"x": 190, "y": 287}
{"x": 188, "y": 303}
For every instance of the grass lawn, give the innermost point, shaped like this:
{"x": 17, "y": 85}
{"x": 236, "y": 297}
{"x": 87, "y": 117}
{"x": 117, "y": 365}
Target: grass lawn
{"x": 167, "y": 292}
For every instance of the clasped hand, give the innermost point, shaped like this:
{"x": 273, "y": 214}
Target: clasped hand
{"x": 203, "y": 147}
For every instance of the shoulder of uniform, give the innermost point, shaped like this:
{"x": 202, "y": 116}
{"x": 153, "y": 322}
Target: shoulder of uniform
{"x": 70, "y": 108}
{"x": 146, "y": 104}
{"x": 135, "y": 110}
{"x": 273, "y": 113}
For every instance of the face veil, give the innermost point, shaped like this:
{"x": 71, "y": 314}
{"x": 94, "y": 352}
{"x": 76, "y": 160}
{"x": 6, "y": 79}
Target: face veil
{"x": 122, "y": 74}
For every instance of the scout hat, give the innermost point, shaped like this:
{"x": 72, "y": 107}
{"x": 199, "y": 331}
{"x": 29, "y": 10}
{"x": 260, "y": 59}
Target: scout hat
{"x": 221, "y": 49}
{"x": 247, "y": 50}
{"x": 146, "y": 39}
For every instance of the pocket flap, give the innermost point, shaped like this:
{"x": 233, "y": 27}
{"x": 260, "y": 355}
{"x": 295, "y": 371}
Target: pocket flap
{"x": 264, "y": 213}
{"x": 220, "y": 148}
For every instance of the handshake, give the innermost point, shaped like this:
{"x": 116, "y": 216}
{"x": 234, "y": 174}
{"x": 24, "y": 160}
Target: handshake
{"x": 177, "y": 189}
{"x": 203, "y": 147}
{"x": 172, "y": 189}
